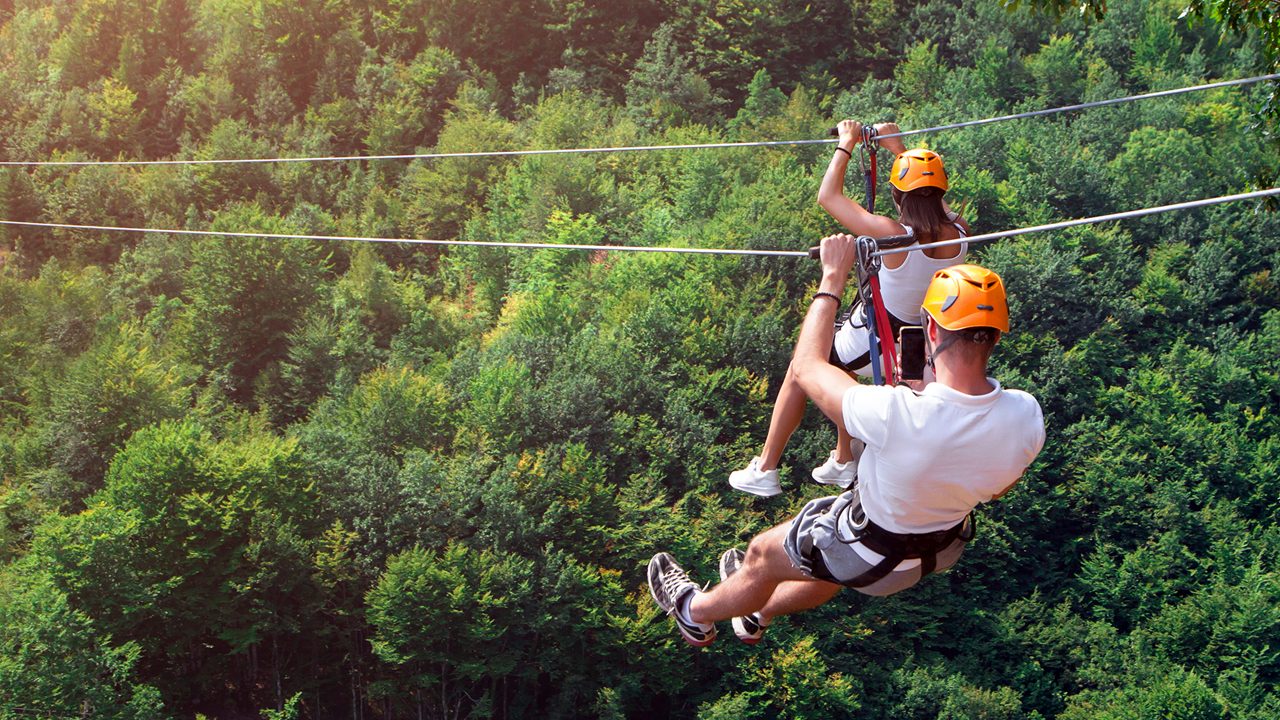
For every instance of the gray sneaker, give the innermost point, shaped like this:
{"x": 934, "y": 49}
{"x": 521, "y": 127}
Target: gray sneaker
{"x": 748, "y": 628}
{"x": 668, "y": 583}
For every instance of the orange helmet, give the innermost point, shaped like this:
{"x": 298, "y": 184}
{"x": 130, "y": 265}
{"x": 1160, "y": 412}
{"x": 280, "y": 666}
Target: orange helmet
{"x": 967, "y": 296}
{"x": 919, "y": 168}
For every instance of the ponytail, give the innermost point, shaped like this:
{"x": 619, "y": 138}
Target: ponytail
{"x": 922, "y": 211}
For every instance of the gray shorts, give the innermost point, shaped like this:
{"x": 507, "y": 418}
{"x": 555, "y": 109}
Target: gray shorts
{"x": 822, "y": 531}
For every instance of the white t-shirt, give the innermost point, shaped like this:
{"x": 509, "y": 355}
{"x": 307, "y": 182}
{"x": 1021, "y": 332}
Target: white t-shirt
{"x": 931, "y": 457}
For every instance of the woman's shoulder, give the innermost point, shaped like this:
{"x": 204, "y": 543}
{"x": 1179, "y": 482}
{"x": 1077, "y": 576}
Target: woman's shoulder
{"x": 954, "y": 218}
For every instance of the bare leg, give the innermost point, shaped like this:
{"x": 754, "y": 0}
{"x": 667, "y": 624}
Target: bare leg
{"x": 788, "y": 411}
{"x": 844, "y": 450}
{"x": 794, "y": 596}
{"x": 750, "y": 588}
{"x": 844, "y": 441}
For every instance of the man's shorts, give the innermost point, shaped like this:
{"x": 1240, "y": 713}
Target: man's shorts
{"x": 819, "y": 545}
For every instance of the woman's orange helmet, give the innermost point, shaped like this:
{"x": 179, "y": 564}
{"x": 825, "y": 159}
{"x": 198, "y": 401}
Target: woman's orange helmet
{"x": 967, "y": 296}
{"x": 918, "y": 168}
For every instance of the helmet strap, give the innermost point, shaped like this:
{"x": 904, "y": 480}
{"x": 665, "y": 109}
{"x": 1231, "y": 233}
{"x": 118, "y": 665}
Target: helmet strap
{"x": 944, "y": 345}
{"x": 936, "y": 350}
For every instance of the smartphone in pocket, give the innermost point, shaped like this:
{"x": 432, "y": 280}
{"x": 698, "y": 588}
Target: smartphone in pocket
{"x": 911, "y": 348}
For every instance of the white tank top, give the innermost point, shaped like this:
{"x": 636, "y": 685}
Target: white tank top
{"x": 903, "y": 287}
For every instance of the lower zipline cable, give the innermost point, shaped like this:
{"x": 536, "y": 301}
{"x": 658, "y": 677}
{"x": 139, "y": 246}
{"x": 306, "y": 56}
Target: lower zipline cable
{"x": 409, "y": 241}
{"x": 1189, "y": 205}
{"x": 688, "y": 250}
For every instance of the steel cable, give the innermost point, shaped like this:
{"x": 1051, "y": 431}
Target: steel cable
{"x": 637, "y": 148}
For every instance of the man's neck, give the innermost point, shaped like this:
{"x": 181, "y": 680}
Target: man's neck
{"x": 967, "y": 378}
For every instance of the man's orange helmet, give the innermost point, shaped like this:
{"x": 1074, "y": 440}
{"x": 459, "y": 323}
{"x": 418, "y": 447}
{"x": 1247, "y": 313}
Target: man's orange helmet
{"x": 919, "y": 168}
{"x": 967, "y": 296}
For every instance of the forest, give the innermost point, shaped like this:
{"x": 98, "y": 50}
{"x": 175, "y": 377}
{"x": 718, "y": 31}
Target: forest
{"x": 279, "y": 479}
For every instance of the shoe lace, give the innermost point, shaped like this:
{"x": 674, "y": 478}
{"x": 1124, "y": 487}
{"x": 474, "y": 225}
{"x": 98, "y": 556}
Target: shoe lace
{"x": 674, "y": 579}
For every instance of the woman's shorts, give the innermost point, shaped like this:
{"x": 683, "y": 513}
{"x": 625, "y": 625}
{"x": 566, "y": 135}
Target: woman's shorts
{"x": 851, "y": 345}
{"x": 817, "y": 544}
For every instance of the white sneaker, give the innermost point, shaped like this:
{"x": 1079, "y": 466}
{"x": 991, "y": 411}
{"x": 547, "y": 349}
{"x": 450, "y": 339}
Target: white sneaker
{"x": 836, "y": 473}
{"x": 753, "y": 480}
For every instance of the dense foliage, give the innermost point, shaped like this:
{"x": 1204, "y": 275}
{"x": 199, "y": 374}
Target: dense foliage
{"x": 261, "y": 478}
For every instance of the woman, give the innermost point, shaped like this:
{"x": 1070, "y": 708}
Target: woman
{"x": 918, "y": 183}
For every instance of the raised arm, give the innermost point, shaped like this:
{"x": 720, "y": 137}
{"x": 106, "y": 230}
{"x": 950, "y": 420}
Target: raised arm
{"x": 824, "y": 383}
{"x": 893, "y": 144}
{"x": 831, "y": 197}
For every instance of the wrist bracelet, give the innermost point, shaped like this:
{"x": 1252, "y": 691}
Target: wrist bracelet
{"x": 824, "y": 293}
{"x": 846, "y": 152}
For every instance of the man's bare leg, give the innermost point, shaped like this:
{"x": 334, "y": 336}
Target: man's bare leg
{"x": 794, "y": 596}
{"x": 764, "y": 568}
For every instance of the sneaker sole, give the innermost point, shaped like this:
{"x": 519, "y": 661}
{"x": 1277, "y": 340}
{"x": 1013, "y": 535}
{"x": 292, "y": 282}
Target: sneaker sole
{"x": 690, "y": 639}
{"x": 724, "y": 569}
{"x": 755, "y": 490}
{"x": 837, "y": 483}
{"x": 741, "y": 631}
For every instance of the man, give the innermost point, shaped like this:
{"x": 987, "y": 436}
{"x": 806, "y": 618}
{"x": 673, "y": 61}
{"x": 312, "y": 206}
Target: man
{"x": 930, "y": 458}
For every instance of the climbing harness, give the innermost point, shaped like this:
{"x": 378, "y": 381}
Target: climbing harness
{"x": 894, "y": 547}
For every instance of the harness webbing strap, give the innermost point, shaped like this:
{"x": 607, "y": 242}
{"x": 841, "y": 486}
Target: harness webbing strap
{"x": 895, "y": 547}
{"x": 883, "y": 328}
{"x": 866, "y": 267}
{"x": 880, "y": 341}
{"x": 873, "y": 347}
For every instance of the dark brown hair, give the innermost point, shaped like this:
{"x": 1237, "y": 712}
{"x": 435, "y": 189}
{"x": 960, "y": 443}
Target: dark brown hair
{"x": 922, "y": 211}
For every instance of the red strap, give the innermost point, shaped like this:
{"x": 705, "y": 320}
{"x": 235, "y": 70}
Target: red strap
{"x": 884, "y": 331}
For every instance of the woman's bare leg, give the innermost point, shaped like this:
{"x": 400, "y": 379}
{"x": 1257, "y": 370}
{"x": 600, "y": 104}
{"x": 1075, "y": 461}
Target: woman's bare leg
{"x": 844, "y": 445}
{"x": 788, "y": 411}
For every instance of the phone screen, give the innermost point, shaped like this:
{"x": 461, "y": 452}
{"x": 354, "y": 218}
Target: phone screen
{"x": 911, "y": 346}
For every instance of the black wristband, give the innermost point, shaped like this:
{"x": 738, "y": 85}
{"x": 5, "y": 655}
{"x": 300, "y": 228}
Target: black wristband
{"x": 824, "y": 293}
{"x": 846, "y": 152}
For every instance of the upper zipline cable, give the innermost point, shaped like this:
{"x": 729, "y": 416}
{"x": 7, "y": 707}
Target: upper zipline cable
{"x": 1086, "y": 106}
{"x": 640, "y": 148}
{"x": 687, "y": 250}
